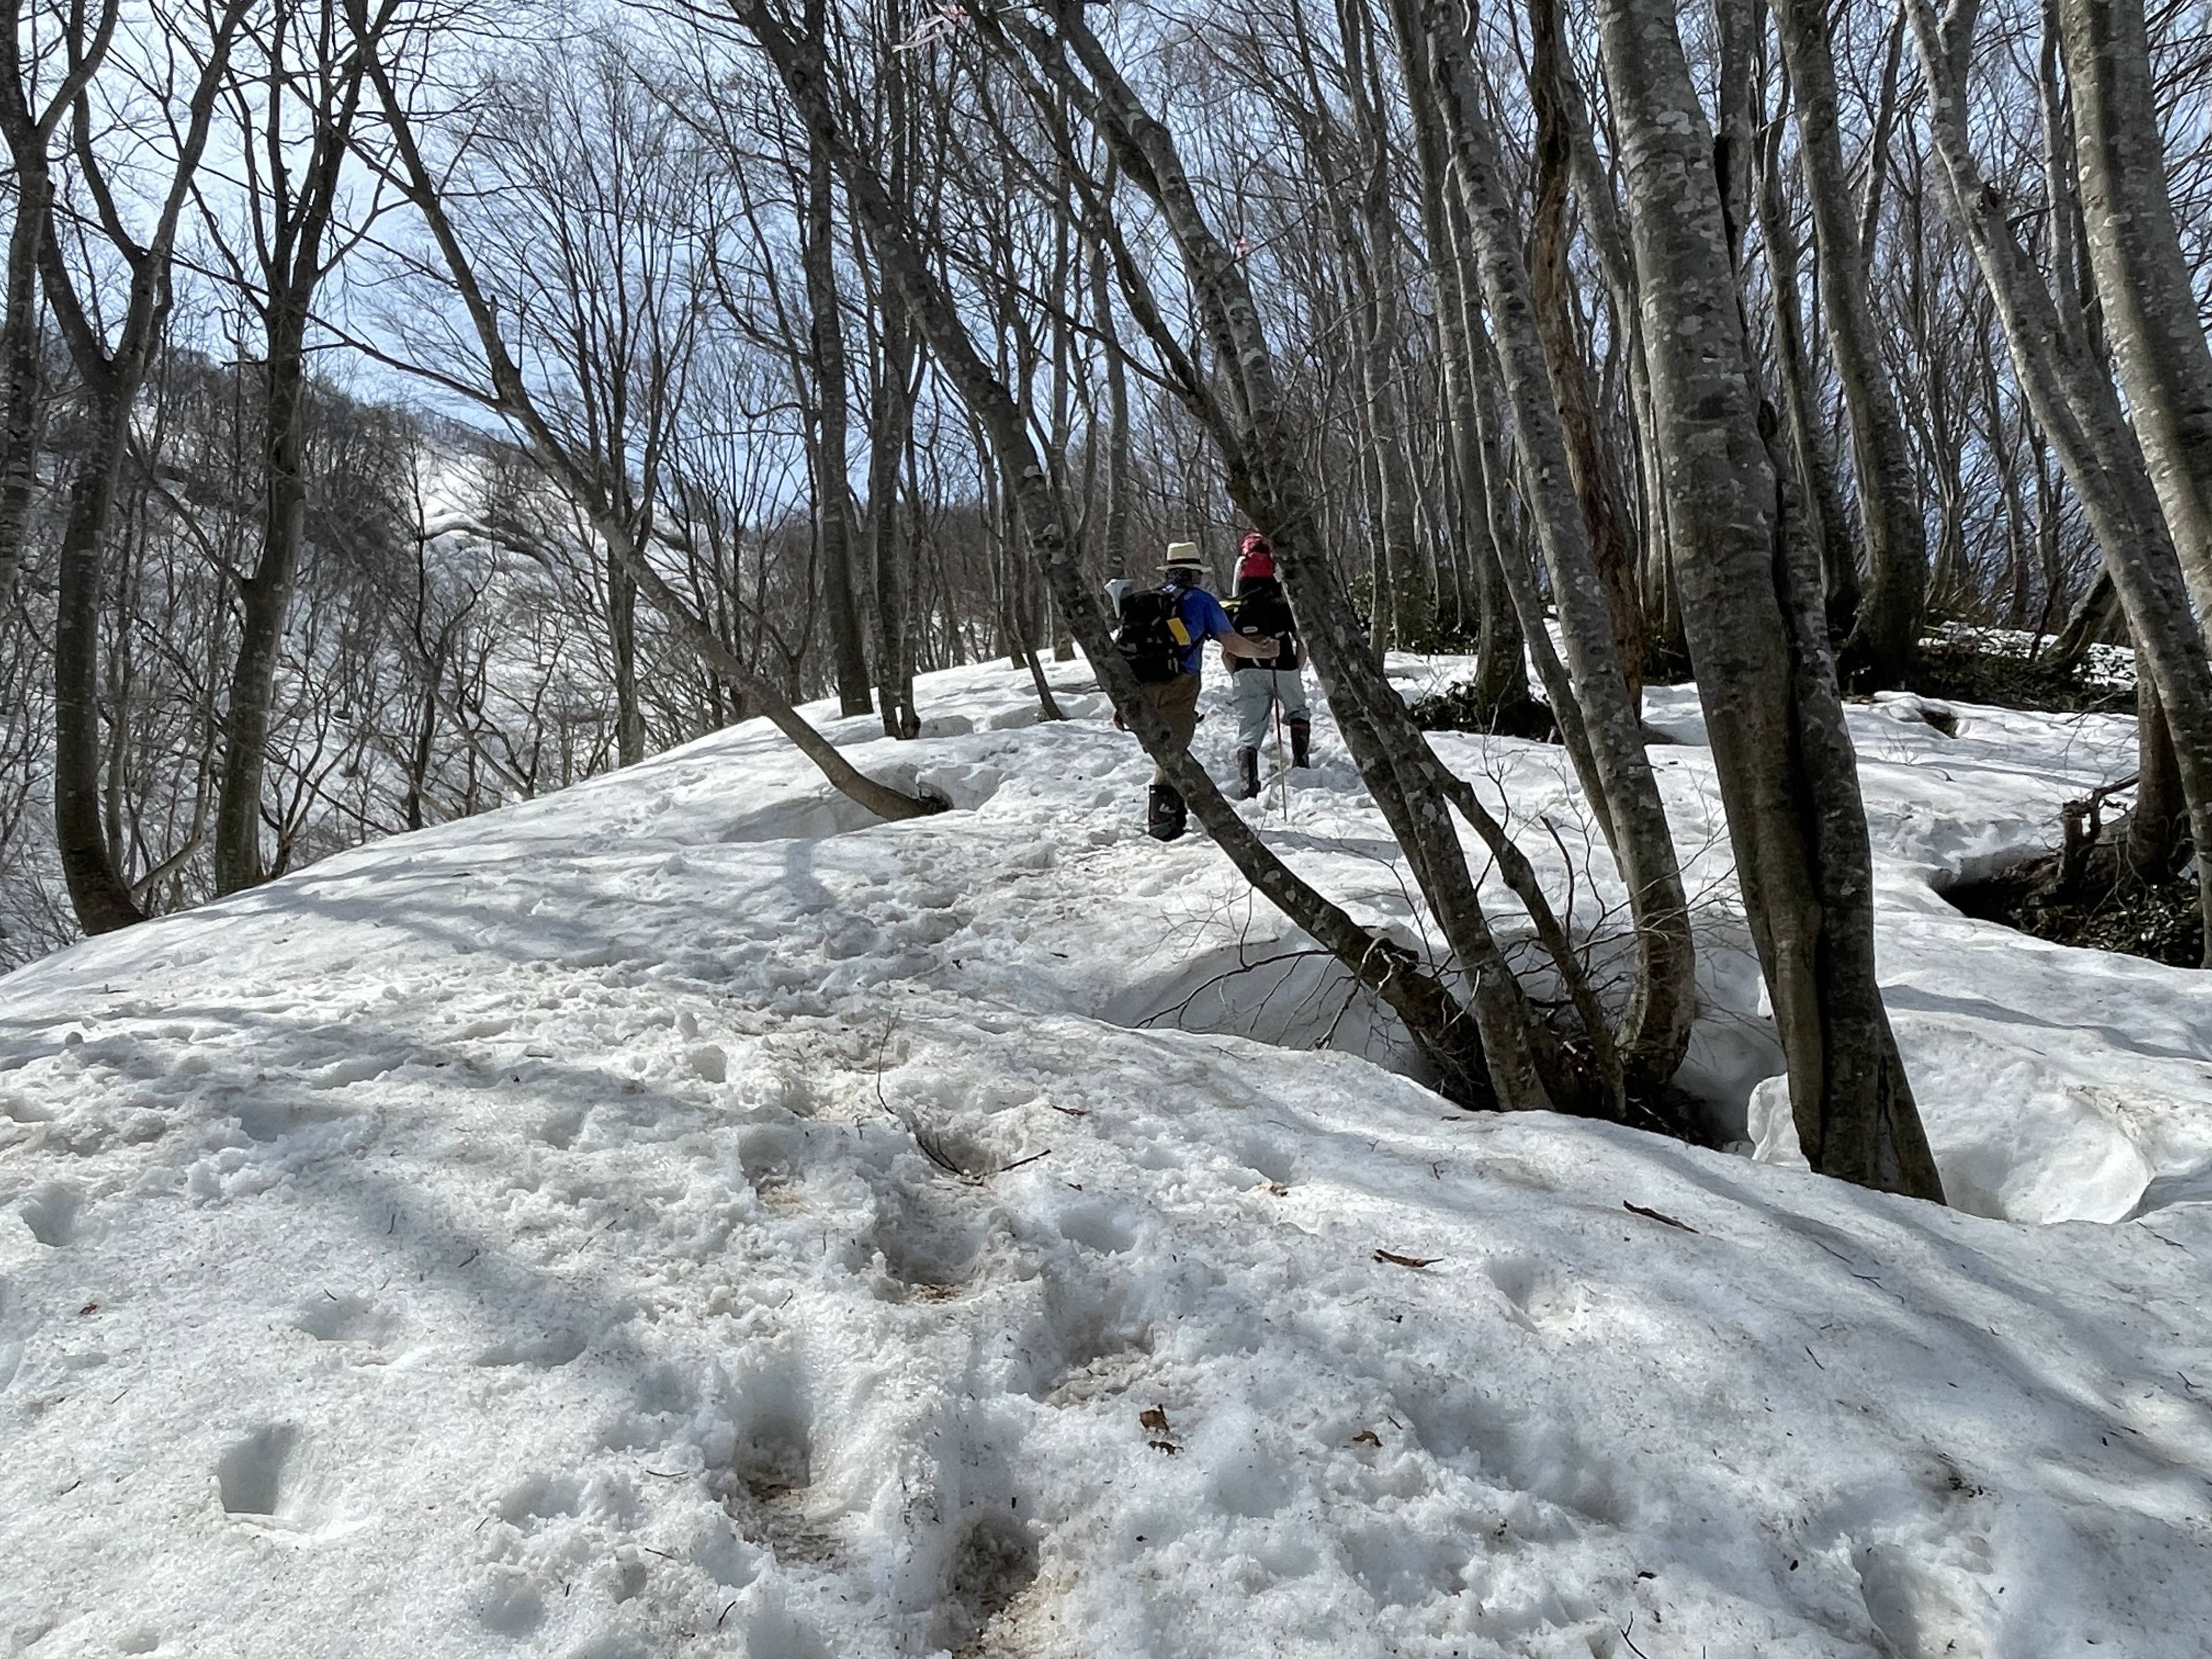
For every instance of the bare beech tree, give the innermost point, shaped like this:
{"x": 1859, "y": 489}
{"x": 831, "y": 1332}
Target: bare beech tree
{"x": 1755, "y": 614}
{"x": 293, "y": 60}
{"x": 111, "y": 358}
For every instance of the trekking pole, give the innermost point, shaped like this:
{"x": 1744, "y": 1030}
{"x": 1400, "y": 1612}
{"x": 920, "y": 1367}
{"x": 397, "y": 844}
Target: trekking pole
{"x": 1282, "y": 767}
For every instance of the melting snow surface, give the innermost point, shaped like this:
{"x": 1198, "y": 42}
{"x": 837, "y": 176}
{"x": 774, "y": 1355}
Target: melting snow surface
{"x": 681, "y": 1216}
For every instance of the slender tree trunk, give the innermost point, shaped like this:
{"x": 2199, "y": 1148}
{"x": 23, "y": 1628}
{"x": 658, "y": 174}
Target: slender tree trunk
{"x": 621, "y": 642}
{"x": 1553, "y": 290}
{"x": 265, "y": 600}
{"x": 889, "y": 441}
{"x": 2143, "y": 287}
{"x": 22, "y": 379}
{"x": 2159, "y": 824}
{"x": 1119, "y": 481}
{"x": 97, "y": 891}
{"x": 1808, "y": 435}
{"x": 292, "y": 262}
{"x": 29, "y": 135}
{"x": 833, "y": 495}
{"x": 1879, "y": 651}
{"x": 1737, "y": 31}
{"x": 1752, "y": 610}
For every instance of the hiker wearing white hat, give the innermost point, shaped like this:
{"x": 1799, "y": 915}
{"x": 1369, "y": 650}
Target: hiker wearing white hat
{"x": 1163, "y": 638}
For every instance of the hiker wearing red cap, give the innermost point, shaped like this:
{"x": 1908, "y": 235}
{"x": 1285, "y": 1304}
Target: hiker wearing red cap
{"x": 1257, "y": 687}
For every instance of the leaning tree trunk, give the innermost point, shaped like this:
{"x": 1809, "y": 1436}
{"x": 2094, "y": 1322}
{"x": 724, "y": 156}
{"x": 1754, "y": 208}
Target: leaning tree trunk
{"x": 2143, "y": 286}
{"x": 1879, "y": 651}
{"x": 1527, "y": 1065}
{"x": 2079, "y": 410}
{"x": 1751, "y": 608}
{"x": 1597, "y": 711}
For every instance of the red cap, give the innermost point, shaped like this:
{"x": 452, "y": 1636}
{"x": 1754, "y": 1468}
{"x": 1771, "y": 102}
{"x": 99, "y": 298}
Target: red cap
{"x": 1259, "y": 558}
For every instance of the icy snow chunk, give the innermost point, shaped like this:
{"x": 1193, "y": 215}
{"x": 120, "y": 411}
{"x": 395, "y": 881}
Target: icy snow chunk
{"x": 1774, "y": 1126}
{"x": 49, "y": 1211}
{"x": 709, "y": 1062}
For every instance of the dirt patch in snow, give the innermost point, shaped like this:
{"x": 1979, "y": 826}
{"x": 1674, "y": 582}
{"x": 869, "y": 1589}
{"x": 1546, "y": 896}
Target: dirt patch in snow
{"x": 2157, "y": 920}
{"x": 2014, "y": 671}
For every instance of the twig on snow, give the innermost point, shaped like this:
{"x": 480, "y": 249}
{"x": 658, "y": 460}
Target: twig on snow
{"x": 1654, "y": 1215}
{"x": 1393, "y": 1257}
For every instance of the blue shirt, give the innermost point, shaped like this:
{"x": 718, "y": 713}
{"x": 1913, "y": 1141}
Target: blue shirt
{"x": 1203, "y": 619}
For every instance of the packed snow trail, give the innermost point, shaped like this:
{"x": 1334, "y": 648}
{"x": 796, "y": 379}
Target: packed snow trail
{"x": 680, "y": 1216}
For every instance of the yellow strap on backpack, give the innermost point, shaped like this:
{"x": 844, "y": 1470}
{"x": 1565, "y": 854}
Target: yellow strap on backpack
{"x": 1177, "y": 632}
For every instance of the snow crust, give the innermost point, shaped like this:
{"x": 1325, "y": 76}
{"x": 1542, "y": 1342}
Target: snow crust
{"x": 683, "y": 1216}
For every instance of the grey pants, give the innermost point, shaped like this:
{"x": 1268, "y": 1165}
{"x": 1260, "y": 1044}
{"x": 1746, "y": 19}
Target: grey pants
{"x": 1255, "y": 691}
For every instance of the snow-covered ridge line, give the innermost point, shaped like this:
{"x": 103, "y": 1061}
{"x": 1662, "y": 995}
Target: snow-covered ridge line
{"x": 534, "y": 1235}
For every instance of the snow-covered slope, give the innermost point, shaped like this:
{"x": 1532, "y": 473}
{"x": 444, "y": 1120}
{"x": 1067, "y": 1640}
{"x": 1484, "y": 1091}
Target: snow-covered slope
{"x": 537, "y": 1236}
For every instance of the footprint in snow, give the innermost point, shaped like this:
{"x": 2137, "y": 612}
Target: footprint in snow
{"x": 767, "y": 1479}
{"x": 541, "y": 1351}
{"x": 541, "y": 1499}
{"x": 509, "y": 1605}
{"x": 1535, "y": 1299}
{"x": 991, "y": 1569}
{"x": 330, "y": 1317}
{"x": 267, "y": 1120}
{"x": 277, "y": 1481}
{"x": 926, "y": 1244}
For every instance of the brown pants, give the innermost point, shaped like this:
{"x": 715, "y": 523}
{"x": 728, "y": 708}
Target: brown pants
{"x": 1177, "y": 701}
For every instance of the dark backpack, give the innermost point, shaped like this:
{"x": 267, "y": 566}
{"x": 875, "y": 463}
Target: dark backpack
{"x": 1151, "y": 638}
{"x": 1260, "y": 612}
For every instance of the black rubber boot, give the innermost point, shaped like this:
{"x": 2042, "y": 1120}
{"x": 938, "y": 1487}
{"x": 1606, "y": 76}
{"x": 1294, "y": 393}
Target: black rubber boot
{"x": 1248, "y": 768}
{"x": 1301, "y": 744}
{"x": 1163, "y": 818}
